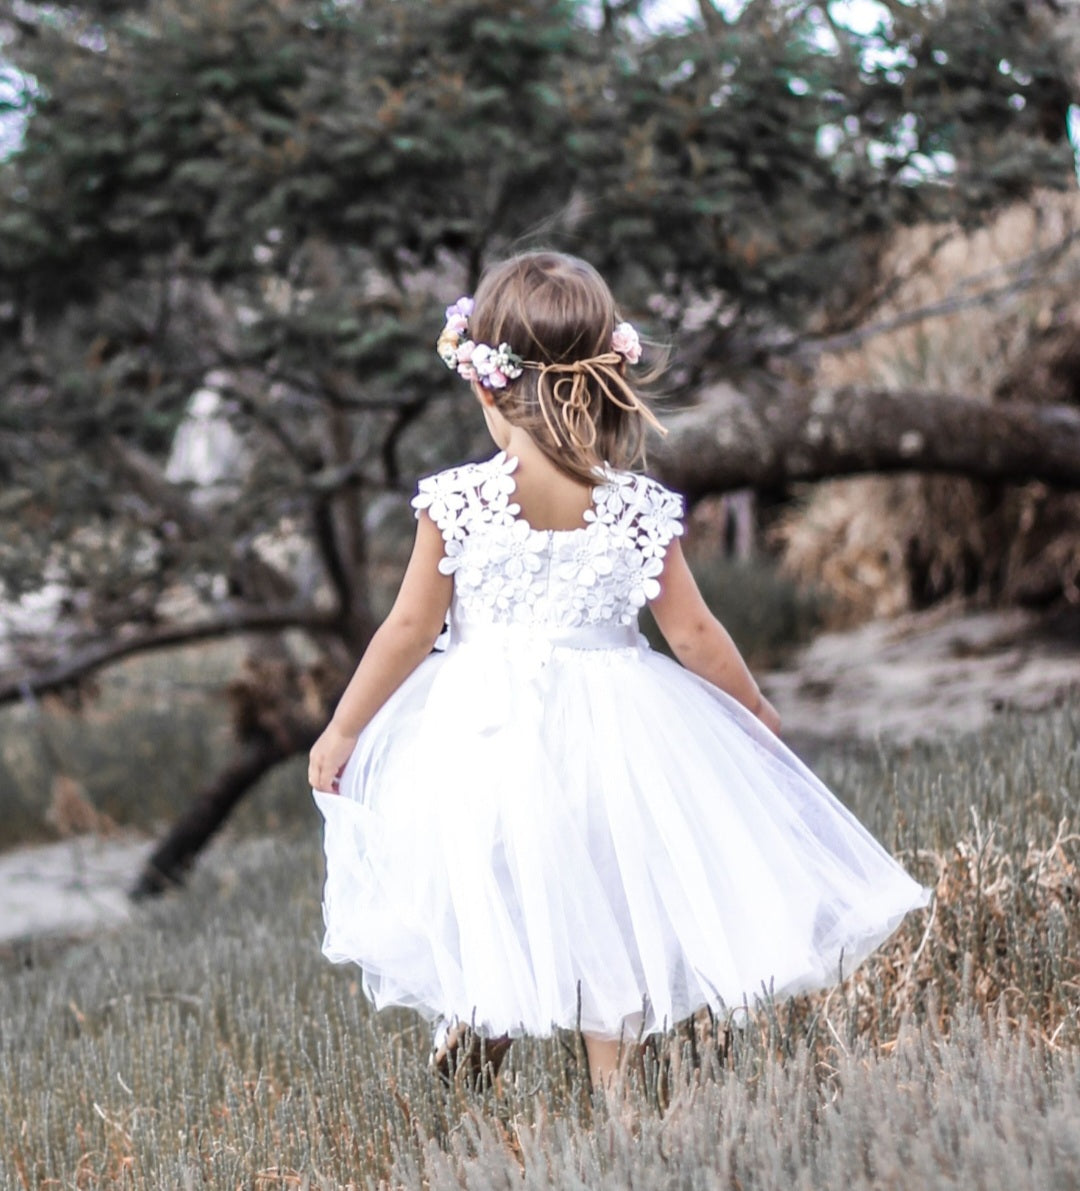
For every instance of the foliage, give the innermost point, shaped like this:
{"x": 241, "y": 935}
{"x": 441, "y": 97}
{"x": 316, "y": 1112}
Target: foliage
{"x": 208, "y": 1044}
{"x": 279, "y": 195}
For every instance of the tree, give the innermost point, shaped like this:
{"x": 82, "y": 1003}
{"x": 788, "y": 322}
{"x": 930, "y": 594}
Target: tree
{"x": 273, "y": 199}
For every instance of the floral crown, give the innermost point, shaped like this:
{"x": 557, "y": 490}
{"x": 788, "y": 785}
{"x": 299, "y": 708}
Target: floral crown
{"x": 496, "y": 367}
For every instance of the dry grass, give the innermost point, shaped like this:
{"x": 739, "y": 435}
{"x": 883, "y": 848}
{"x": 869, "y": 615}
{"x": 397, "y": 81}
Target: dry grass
{"x": 210, "y": 1046}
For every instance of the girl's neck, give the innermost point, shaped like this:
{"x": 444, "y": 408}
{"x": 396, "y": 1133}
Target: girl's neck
{"x": 522, "y": 446}
{"x": 548, "y": 497}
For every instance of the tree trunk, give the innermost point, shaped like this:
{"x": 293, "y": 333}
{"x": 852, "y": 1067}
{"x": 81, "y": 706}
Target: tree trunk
{"x": 731, "y": 441}
{"x": 176, "y": 852}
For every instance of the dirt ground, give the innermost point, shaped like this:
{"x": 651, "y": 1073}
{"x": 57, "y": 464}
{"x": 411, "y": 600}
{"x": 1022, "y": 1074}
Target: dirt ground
{"x": 915, "y": 677}
{"x": 925, "y": 675}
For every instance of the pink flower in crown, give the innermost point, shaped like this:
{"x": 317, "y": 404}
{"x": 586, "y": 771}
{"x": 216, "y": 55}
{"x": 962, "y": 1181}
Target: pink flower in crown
{"x": 496, "y": 379}
{"x": 464, "y": 360}
{"x": 625, "y": 341}
{"x": 457, "y": 323}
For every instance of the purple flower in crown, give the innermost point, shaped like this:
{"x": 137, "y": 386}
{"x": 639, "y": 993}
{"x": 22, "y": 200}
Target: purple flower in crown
{"x": 462, "y": 308}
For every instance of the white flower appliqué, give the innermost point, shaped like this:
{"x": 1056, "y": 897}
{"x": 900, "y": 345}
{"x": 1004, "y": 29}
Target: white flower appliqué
{"x": 505, "y": 571}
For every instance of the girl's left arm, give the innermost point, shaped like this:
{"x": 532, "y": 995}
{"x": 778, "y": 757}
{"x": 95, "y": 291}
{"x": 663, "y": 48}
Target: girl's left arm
{"x": 701, "y": 642}
{"x": 398, "y": 646}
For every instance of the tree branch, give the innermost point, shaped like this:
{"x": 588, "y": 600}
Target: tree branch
{"x": 149, "y": 481}
{"x": 388, "y": 451}
{"x": 248, "y": 620}
{"x": 1026, "y": 273}
{"x": 176, "y": 851}
{"x": 731, "y": 441}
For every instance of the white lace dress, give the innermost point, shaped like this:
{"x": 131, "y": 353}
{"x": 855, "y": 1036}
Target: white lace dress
{"x": 550, "y": 825}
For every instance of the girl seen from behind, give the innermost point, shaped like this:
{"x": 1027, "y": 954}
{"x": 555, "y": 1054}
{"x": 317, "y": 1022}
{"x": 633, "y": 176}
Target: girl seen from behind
{"x": 547, "y": 825}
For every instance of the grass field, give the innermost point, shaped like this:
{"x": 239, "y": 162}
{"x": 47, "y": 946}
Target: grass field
{"x": 209, "y": 1045}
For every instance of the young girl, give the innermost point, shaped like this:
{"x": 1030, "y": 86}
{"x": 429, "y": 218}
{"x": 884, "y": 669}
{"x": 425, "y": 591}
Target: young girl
{"x": 546, "y": 824}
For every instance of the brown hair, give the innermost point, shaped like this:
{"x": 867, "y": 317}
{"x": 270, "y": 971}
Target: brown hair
{"x": 574, "y": 397}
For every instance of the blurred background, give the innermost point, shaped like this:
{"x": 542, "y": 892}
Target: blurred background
{"x": 227, "y": 234}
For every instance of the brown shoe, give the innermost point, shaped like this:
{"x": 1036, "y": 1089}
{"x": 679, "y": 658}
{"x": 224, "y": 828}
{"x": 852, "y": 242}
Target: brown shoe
{"x": 465, "y": 1057}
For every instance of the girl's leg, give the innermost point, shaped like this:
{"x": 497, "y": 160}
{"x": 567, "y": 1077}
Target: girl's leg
{"x": 607, "y": 1060}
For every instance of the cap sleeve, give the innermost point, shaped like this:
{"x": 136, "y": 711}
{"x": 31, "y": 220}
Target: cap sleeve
{"x": 656, "y": 516}
{"x": 444, "y": 497}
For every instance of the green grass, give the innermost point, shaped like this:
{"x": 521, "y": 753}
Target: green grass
{"x": 208, "y": 1045}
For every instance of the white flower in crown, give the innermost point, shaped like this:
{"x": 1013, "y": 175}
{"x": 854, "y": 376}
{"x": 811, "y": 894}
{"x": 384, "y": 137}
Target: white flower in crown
{"x": 625, "y": 341}
{"x": 495, "y": 367}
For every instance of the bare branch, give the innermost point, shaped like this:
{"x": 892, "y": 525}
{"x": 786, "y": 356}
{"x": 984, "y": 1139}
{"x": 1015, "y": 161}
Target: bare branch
{"x": 711, "y": 17}
{"x": 333, "y": 478}
{"x": 255, "y": 406}
{"x": 953, "y": 304}
{"x": 242, "y": 620}
{"x": 894, "y": 281}
{"x": 388, "y": 450}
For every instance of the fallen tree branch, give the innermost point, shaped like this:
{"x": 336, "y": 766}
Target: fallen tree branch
{"x": 734, "y": 441}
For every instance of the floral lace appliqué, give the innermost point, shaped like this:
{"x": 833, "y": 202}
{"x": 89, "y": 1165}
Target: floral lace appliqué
{"x": 507, "y": 572}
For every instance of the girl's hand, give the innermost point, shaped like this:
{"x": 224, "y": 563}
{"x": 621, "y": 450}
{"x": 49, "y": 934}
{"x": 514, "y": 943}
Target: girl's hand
{"x": 327, "y": 758}
{"x": 769, "y": 716}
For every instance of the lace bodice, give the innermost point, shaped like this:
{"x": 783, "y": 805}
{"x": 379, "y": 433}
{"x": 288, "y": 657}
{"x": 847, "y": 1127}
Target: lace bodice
{"x": 506, "y": 572}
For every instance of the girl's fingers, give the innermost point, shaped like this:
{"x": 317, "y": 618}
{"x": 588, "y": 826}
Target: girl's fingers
{"x": 319, "y": 778}
{"x": 322, "y": 777}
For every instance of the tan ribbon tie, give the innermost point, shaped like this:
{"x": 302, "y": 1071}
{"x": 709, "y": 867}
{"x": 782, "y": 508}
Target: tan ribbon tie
{"x": 575, "y": 407}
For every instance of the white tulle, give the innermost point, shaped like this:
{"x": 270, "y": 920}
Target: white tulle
{"x": 550, "y": 825}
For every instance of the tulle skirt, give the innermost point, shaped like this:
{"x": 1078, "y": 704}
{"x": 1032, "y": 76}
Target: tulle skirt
{"x": 536, "y": 833}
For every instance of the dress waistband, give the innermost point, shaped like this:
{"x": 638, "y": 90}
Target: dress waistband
{"x": 588, "y": 636}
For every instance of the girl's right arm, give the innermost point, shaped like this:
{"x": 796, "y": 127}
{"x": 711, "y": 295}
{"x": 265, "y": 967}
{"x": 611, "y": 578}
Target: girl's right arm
{"x": 701, "y": 642}
{"x": 397, "y": 647}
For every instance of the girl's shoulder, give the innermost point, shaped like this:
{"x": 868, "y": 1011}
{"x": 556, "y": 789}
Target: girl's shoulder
{"x": 626, "y": 497}
{"x": 459, "y": 498}
{"x": 466, "y": 476}
{"x": 456, "y": 496}
{"x": 638, "y": 487}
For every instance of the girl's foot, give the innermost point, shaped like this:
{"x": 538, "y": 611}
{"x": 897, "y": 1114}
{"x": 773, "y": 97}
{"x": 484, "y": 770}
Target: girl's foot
{"x": 461, "y": 1055}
